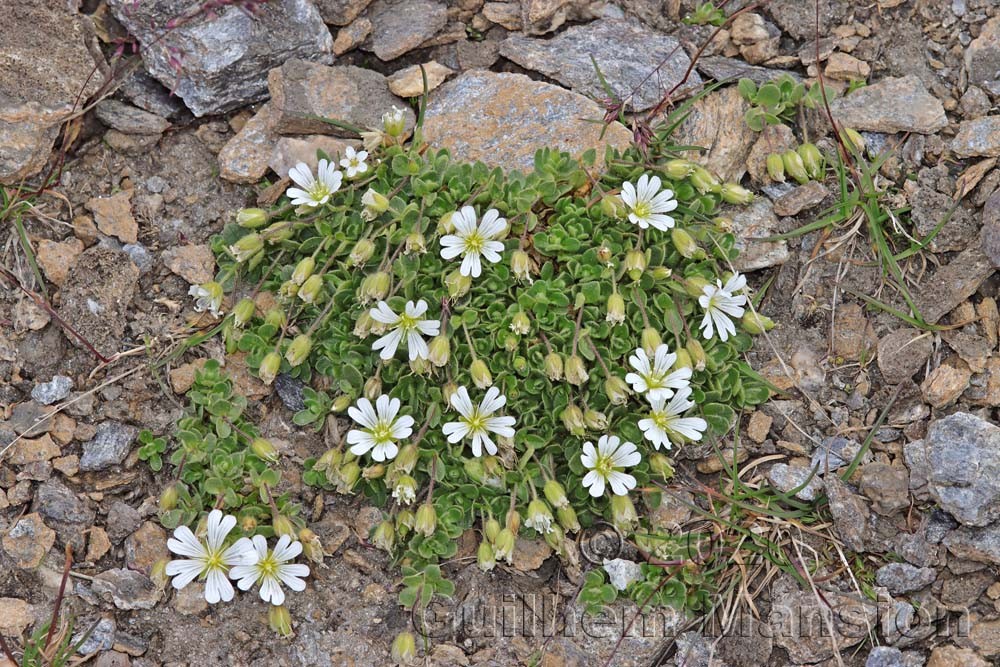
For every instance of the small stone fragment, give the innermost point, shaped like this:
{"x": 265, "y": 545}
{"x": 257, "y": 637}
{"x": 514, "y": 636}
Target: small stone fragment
{"x": 409, "y": 82}
{"x": 98, "y": 544}
{"x": 26, "y": 451}
{"x": 398, "y": 28}
{"x": 16, "y": 616}
{"x": 109, "y": 447}
{"x": 946, "y": 383}
{"x": 28, "y": 541}
{"x": 785, "y": 478}
{"x": 127, "y": 589}
{"x": 622, "y": 572}
{"x": 802, "y": 198}
{"x": 113, "y": 216}
{"x": 128, "y": 119}
{"x": 903, "y": 353}
{"x": 52, "y": 391}
{"x": 759, "y": 426}
{"x": 101, "y": 638}
{"x": 244, "y": 157}
{"x": 352, "y": 36}
{"x": 56, "y": 258}
{"x": 979, "y": 137}
{"x": 146, "y": 546}
{"x": 194, "y": 263}
{"x": 843, "y": 67}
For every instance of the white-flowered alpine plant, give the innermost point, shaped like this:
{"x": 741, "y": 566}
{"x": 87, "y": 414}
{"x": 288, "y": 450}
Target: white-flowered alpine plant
{"x": 313, "y": 191}
{"x": 382, "y": 428}
{"x": 408, "y": 328}
{"x": 647, "y": 204}
{"x": 474, "y": 241}
{"x": 721, "y": 304}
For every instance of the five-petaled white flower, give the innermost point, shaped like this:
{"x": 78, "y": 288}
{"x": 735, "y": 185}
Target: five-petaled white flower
{"x": 477, "y": 421}
{"x": 647, "y": 204}
{"x": 207, "y": 296}
{"x": 665, "y": 424}
{"x": 383, "y": 428}
{"x": 474, "y": 241}
{"x": 209, "y": 559}
{"x": 408, "y": 326}
{"x": 720, "y": 303}
{"x": 314, "y": 191}
{"x": 272, "y": 569}
{"x": 353, "y": 162}
{"x": 656, "y": 379}
{"x": 606, "y": 464}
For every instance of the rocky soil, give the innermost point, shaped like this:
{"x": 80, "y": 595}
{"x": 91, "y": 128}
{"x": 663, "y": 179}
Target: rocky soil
{"x": 165, "y": 144}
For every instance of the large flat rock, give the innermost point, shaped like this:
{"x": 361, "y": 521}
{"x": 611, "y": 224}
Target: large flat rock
{"x": 895, "y": 104}
{"x": 217, "y": 63}
{"x": 503, "y": 119}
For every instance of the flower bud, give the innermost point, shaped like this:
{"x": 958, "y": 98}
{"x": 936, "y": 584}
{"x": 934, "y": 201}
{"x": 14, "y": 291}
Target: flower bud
{"x": 374, "y": 203}
{"x": 405, "y": 521}
{"x": 755, "y": 323}
{"x": 613, "y": 207}
{"x": 406, "y": 459}
{"x": 679, "y": 168}
{"x": 445, "y": 225}
{"x": 276, "y": 317}
{"x": 375, "y": 287}
{"x": 576, "y": 371}
{"x": 277, "y": 232}
{"x": 567, "y": 519}
{"x": 279, "y": 620}
{"x": 349, "y": 474}
{"x": 264, "y": 450}
{"x": 426, "y": 521}
{"x": 384, "y": 536}
{"x": 481, "y": 376}
{"x": 158, "y": 573}
{"x": 372, "y": 388}
{"x": 554, "y": 366}
{"x": 616, "y": 390}
{"x": 695, "y": 286}
{"x": 572, "y": 419}
{"x": 485, "y": 557}
{"x": 312, "y": 289}
{"x": 282, "y": 525}
{"x": 555, "y": 493}
{"x": 556, "y": 538}
{"x": 503, "y": 545}
{"x": 635, "y": 263}
{"x": 404, "y": 648}
{"x": 697, "y": 353}
{"x": 474, "y": 470}
{"x": 457, "y": 284}
{"x": 616, "y": 309}
{"x": 623, "y": 514}
{"x": 312, "y": 547}
{"x": 341, "y": 403}
{"x": 660, "y": 464}
{"x": 439, "y": 350}
{"x": 493, "y": 469}
{"x": 775, "y": 167}
{"x": 251, "y": 218}
{"x": 520, "y": 265}
{"x": 812, "y": 159}
{"x": 512, "y": 521}
{"x": 269, "y": 367}
{"x": 405, "y": 490}
{"x": 299, "y": 350}
{"x": 853, "y": 140}
{"x": 595, "y": 421}
{"x": 328, "y": 459}
{"x": 491, "y": 529}
{"x": 734, "y": 193}
{"x": 447, "y": 391}
{"x": 794, "y": 166}
{"x": 243, "y": 312}
{"x": 415, "y": 243}
{"x": 168, "y": 498}
{"x": 247, "y": 247}
{"x": 683, "y": 359}
{"x": 288, "y": 290}
{"x": 703, "y": 181}
{"x": 520, "y": 324}
{"x": 248, "y": 523}
{"x": 685, "y": 243}
{"x": 394, "y": 122}
{"x": 650, "y": 341}
{"x": 364, "y": 325}
{"x": 362, "y": 252}
{"x": 604, "y": 255}
{"x": 376, "y": 471}
{"x": 303, "y": 270}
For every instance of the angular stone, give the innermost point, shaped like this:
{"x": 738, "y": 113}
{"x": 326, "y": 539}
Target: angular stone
{"x": 16, "y": 616}
{"x": 98, "y": 544}
{"x": 902, "y": 353}
{"x": 128, "y": 119}
{"x": 802, "y": 198}
{"x": 101, "y": 638}
{"x": 194, "y": 263}
{"x": 146, "y": 546}
{"x": 109, "y": 447}
{"x": 982, "y": 57}
{"x": 953, "y": 283}
{"x": 224, "y": 59}
{"x": 244, "y": 157}
{"x": 722, "y": 68}
{"x": 341, "y": 12}
{"x": 26, "y": 451}
{"x": 409, "y": 82}
{"x": 28, "y": 541}
{"x": 785, "y": 478}
{"x": 127, "y": 589}
{"x": 852, "y": 334}
{"x": 399, "y": 27}
{"x": 52, "y": 391}
{"x": 843, "y": 67}
{"x": 352, "y": 36}
{"x": 886, "y": 486}
{"x": 113, "y": 216}
{"x": 289, "y": 151}
{"x": 715, "y": 124}
{"x": 850, "y": 513}
{"x": 58, "y": 504}
{"x": 123, "y": 520}
{"x": 58, "y": 257}
{"x": 302, "y": 93}
{"x": 963, "y": 467}
{"x": 45, "y": 69}
{"x": 625, "y": 51}
{"x": 753, "y": 222}
{"x": 979, "y": 137}
{"x": 504, "y": 119}
{"x": 946, "y": 383}
{"x": 953, "y": 656}
{"x": 891, "y": 105}
{"x": 902, "y": 578}
{"x": 989, "y": 235}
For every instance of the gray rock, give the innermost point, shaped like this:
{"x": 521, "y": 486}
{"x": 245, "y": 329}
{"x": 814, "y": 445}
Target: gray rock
{"x": 141, "y": 257}
{"x": 290, "y": 391}
{"x": 52, "y": 391}
{"x": 123, "y": 520}
{"x": 31, "y": 419}
{"x": 750, "y": 224}
{"x": 101, "y": 638}
{"x": 979, "y": 137}
{"x": 850, "y": 513}
{"x": 341, "y": 12}
{"x": 784, "y": 478}
{"x": 887, "y": 656}
{"x": 128, "y": 119}
{"x": 127, "y": 589}
{"x": 150, "y": 95}
{"x": 301, "y": 91}
{"x": 892, "y": 105}
{"x": 709, "y": 125}
{"x": 887, "y": 486}
{"x": 989, "y": 235}
{"x": 109, "y": 447}
{"x": 963, "y": 467}
{"x": 802, "y": 198}
{"x": 504, "y": 119}
{"x": 224, "y": 59}
{"x": 625, "y": 51}
{"x": 45, "y": 67}
{"x": 399, "y": 27}
{"x": 64, "y": 512}
{"x": 903, "y": 353}
{"x": 902, "y": 578}
{"x": 982, "y": 57}
{"x": 834, "y": 453}
{"x": 981, "y": 545}
{"x": 622, "y": 572}
{"x": 721, "y": 68}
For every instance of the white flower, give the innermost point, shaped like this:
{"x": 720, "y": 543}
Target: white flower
{"x": 381, "y": 431}
{"x": 721, "y": 303}
{"x": 208, "y": 296}
{"x": 209, "y": 559}
{"x": 353, "y": 162}
{"x": 476, "y": 420}
{"x": 656, "y": 379}
{"x": 272, "y": 569}
{"x": 665, "y": 425}
{"x": 474, "y": 241}
{"x": 408, "y": 326}
{"x": 313, "y": 191}
{"x": 647, "y": 205}
{"x": 606, "y": 464}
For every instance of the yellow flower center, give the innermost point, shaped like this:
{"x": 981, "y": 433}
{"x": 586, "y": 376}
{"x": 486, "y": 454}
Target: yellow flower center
{"x": 662, "y": 420}
{"x": 406, "y": 323}
{"x": 476, "y": 421}
{"x": 643, "y": 209}
{"x": 214, "y": 561}
{"x": 474, "y": 242}
{"x": 268, "y": 566}
{"x": 382, "y": 432}
{"x": 603, "y": 466}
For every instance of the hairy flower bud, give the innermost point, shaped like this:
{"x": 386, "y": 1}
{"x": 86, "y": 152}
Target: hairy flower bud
{"x": 474, "y": 470}
{"x": 794, "y": 166}
{"x": 485, "y": 558}
{"x": 635, "y": 263}
{"x": 303, "y": 270}
{"x": 394, "y": 122}
{"x": 650, "y": 340}
{"x": 623, "y": 514}
{"x": 613, "y": 207}
{"x": 264, "y": 450}
{"x": 384, "y": 536}
{"x": 683, "y": 359}
{"x": 276, "y": 317}
{"x": 445, "y": 225}
{"x": 269, "y": 367}
{"x": 282, "y": 525}
{"x": 457, "y": 284}
{"x": 697, "y": 353}
{"x": 247, "y": 247}
{"x": 678, "y": 168}
{"x": 243, "y": 312}
{"x": 481, "y": 376}
{"x": 420, "y": 366}
{"x": 775, "y": 167}
{"x": 349, "y": 473}
{"x": 520, "y": 324}
{"x": 406, "y": 459}
{"x": 695, "y": 286}
{"x": 279, "y": 620}
{"x": 567, "y": 519}
{"x": 299, "y": 350}
{"x": 372, "y": 388}
{"x": 503, "y": 545}
{"x": 364, "y": 324}
{"x": 556, "y": 539}
{"x": 426, "y": 522}
{"x": 703, "y": 181}
{"x": 513, "y": 521}
{"x": 853, "y": 140}
{"x": 447, "y": 391}
{"x": 755, "y": 323}
{"x": 520, "y": 265}
{"x": 362, "y": 252}
{"x": 251, "y": 218}
{"x": 616, "y": 389}
{"x": 572, "y": 419}
{"x": 277, "y": 232}
{"x": 685, "y": 243}
{"x": 312, "y": 289}
{"x": 491, "y": 528}
{"x": 576, "y": 371}
{"x": 158, "y": 573}
{"x": 660, "y": 464}
{"x": 595, "y": 421}
{"x": 812, "y": 159}
{"x": 415, "y": 243}
{"x": 168, "y": 498}
{"x": 288, "y": 290}
{"x": 341, "y": 403}
{"x": 375, "y": 287}
{"x": 312, "y": 547}
{"x": 405, "y": 521}
{"x": 554, "y": 366}
{"x": 374, "y": 204}
{"x": 616, "y": 309}
{"x": 734, "y": 193}
{"x": 555, "y": 493}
